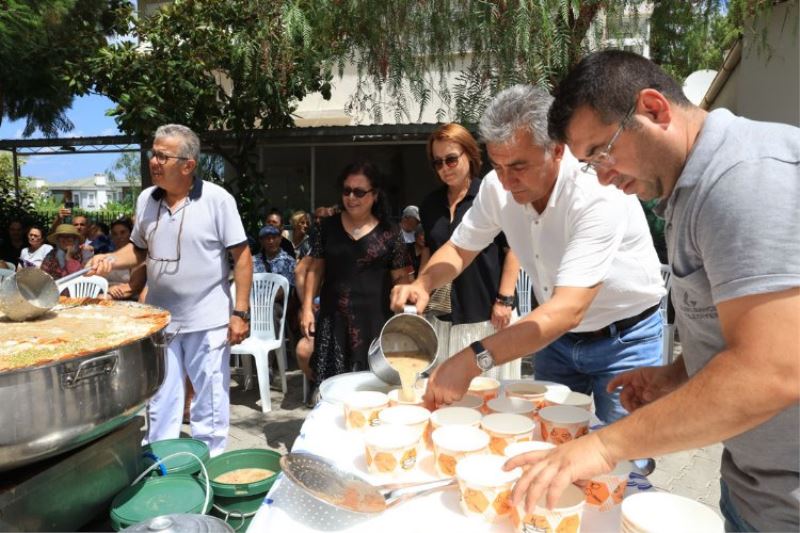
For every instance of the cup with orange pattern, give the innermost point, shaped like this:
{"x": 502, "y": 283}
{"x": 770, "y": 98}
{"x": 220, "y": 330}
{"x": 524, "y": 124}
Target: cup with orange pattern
{"x": 390, "y": 449}
{"x": 468, "y": 400}
{"x": 565, "y": 517}
{"x": 560, "y": 423}
{"x": 451, "y": 444}
{"x": 362, "y": 408}
{"x": 413, "y": 416}
{"x": 606, "y": 491}
{"x": 505, "y": 429}
{"x": 568, "y": 397}
{"x": 485, "y": 487}
{"x": 532, "y": 392}
{"x": 451, "y": 416}
{"x": 517, "y": 406}
{"x": 484, "y": 388}
{"x": 396, "y": 398}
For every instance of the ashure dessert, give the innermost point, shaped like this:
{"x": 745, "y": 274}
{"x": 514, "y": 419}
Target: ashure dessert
{"x": 244, "y": 475}
{"x": 74, "y": 328}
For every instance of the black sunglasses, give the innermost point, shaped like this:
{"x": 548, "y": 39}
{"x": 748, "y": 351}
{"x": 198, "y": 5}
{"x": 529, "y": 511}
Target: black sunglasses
{"x": 450, "y": 161}
{"x": 358, "y": 193}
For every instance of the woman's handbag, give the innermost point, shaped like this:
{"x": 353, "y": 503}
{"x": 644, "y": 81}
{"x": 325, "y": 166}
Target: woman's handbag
{"x": 439, "y": 303}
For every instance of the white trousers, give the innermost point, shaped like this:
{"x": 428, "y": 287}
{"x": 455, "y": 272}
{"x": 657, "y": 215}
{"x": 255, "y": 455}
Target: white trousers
{"x": 203, "y": 356}
{"x": 453, "y": 339}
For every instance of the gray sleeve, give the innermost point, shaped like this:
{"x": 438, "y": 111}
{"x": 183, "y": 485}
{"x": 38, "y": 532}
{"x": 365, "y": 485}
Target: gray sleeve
{"x": 229, "y": 224}
{"x": 748, "y": 229}
{"x": 137, "y": 235}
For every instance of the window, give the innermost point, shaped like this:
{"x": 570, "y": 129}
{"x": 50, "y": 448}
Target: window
{"x": 90, "y": 200}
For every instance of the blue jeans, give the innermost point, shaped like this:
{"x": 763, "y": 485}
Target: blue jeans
{"x": 588, "y": 365}
{"x": 733, "y": 521}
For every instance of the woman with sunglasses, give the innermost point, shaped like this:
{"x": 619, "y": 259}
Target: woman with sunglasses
{"x": 482, "y": 297}
{"x": 357, "y": 256}
{"x": 37, "y": 249}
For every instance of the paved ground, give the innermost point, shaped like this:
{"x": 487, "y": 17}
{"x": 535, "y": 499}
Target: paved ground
{"x": 694, "y": 473}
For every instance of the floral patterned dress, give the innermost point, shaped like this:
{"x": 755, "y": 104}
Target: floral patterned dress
{"x": 354, "y": 297}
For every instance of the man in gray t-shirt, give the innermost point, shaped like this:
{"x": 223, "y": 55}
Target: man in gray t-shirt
{"x": 730, "y": 191}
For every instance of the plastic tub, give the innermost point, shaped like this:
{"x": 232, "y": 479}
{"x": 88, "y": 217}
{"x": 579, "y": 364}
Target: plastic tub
{"x": 237, "y": 503}
{"x": 183, "y": 464}
{"x": 156, "y": 496}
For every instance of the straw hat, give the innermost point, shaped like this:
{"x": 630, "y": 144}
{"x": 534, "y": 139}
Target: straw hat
{"x": 64, "y": 229}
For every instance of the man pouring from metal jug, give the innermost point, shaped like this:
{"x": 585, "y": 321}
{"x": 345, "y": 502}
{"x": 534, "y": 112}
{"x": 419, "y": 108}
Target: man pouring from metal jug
{"x": 586, "y": 247}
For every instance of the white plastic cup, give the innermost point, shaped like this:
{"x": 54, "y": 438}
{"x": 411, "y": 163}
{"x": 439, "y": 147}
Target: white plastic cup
{"x": 362, "y": 408}
{"x": 606, "y": 491}
{"x": 561, "y": 423}
{"x": 391, "y": 449}
{"x": 518, "y": 448}
{"x": 470, "y": 401}
{"x": 485, "y": 487}
{"x": 411, "y": 416}
{"x": 567, "y": 514}
{"x": 532, "y": 392}
{"x": 451, "y": 416}
{"x": 505, "y": 429}
{"x": 451, "y": 444}
{"x": 485, "y": 389}
{"x": 569, "y": 398}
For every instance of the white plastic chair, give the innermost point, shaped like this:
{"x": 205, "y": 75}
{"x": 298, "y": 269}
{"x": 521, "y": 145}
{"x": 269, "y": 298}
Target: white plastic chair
{"x": 264, "y": 337}
{"x": 4, "y": 273}
{"x": 87, "y": 287}
{"x": 668, "y": 340}
{"x": 524, "y": 293}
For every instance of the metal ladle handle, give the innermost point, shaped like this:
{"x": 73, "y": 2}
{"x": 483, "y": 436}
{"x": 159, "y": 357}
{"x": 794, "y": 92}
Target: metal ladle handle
{"x": 61, "y": 282}
{"x": 394, "y": 494}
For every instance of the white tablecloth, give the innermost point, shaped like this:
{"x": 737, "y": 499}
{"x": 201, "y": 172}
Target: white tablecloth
{"x": 287, "y": 508}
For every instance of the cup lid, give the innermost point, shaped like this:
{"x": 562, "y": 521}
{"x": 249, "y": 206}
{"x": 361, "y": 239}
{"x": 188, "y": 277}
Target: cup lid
{"x": 460, "y": 438}
{"x": 486, "y": 471}
{"x": 507, "y": 423}
{"x": 390, "y": 436}
{"x": 510, "y": 405}
{"x": 404, "y": 414}
{"x": 450, "y": 416}
{"x": 565, "y": 414}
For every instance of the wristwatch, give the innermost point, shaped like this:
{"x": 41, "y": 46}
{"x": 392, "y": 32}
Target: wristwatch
{"x": 508, "y": 301}
{"x": 244, "y": 315}
{"x": 483, "y": 357}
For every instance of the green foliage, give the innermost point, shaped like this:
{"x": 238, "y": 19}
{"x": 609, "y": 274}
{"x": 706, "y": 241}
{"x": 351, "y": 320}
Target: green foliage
{"x": 11, "y": 205}
{"x": 223, "y": 65}
{"x": 688, "y": 36}
{"x": 40, "y": 40}
{"x": 127, "y": 167}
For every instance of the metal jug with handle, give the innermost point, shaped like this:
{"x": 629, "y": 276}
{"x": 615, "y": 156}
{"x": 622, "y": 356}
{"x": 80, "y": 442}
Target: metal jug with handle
{"x": 404, "y": 332}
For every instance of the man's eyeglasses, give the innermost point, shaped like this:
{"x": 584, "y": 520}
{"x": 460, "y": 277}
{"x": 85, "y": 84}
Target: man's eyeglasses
{"x": 153, "y": 233}
{"x": 604, "y": 159}
{"x": 450, "y": 160}
{"x": 162, "y": 158}
{"x": 358, "y": 193}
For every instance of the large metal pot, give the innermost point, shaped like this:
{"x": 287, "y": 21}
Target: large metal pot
{"x": 404, "y": 332}
{"x": 56, "y": 407}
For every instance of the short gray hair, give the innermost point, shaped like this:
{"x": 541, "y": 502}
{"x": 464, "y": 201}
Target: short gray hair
{"x": 190, "y": 142}
{"x": 521, "y": 107}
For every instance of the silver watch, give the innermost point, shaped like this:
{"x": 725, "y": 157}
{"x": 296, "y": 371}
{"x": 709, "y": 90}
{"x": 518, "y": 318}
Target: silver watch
{"x": 483, "y": 357}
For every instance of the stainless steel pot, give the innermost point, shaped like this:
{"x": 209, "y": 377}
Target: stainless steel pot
{"x": 60, "y": 406}
{"x": 404, "y": 332}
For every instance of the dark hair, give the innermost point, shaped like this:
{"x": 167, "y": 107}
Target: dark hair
{"x": 123, "y": 222}
{"x": 380, "y": 208}
{"x": 608, "y": 82}
{"x": 34, "y": 226}
{"x": 275, "y": 211}
{"x": 461, "y": 136}
{"x": 103, "y": 227}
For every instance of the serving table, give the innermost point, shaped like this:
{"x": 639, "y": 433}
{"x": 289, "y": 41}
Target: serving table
{"x": 288, "y": 508}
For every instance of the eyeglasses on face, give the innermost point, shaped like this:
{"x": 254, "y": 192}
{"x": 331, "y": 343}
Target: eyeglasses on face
{"x": 358, "y": 193}
{"x": 162, "y": 158}
{"x": 449, "y": 160}
{"x": 604, "y": 159}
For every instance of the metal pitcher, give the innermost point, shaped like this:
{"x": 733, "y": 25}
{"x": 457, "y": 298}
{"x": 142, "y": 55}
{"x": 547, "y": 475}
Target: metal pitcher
{"x": 404, "y": 332}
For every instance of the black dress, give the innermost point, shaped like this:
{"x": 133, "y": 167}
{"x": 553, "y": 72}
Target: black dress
{"x": 354, "y": 297}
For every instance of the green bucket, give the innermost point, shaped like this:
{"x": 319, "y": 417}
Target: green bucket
{"x": 156, "y": 496}
{"x": 183, "y": 464}
{"x": 238, "y": 503}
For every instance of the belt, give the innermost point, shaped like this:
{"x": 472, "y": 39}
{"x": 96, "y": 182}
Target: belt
{"x": 615, "y": 327}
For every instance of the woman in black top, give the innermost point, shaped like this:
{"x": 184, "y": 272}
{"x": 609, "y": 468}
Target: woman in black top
{"x": 482, "y": 296}
{"x": 357, "y": 256}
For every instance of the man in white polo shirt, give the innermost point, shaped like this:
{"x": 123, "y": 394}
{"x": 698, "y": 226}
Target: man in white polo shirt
{"x": 587, "y": 248}
{"x": 185, "y": 228}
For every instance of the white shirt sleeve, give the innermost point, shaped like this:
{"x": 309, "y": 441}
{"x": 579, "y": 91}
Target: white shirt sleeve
{"x": 229, "y": 224}
{"x": 137, "y": 235}
{"x": 481, "y": 222}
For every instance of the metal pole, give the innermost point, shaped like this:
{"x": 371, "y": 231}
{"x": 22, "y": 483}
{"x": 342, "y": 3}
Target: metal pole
{"x": 313, "y": 177}
{"x": 18, "y": 200}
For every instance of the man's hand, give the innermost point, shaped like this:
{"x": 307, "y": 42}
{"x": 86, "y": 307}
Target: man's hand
{"x": 548, "y": 473}
{"x": 237, "y": 330}
{"x": 501, "y": 316}
{"x": 413, "y": 293}
{"x": 647, "y": 384}
{"x": 307, "y": 323}
{"x": 122, "y": 291}
{"x": 100, "y": 264}
{"x": 450, "y": 381}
